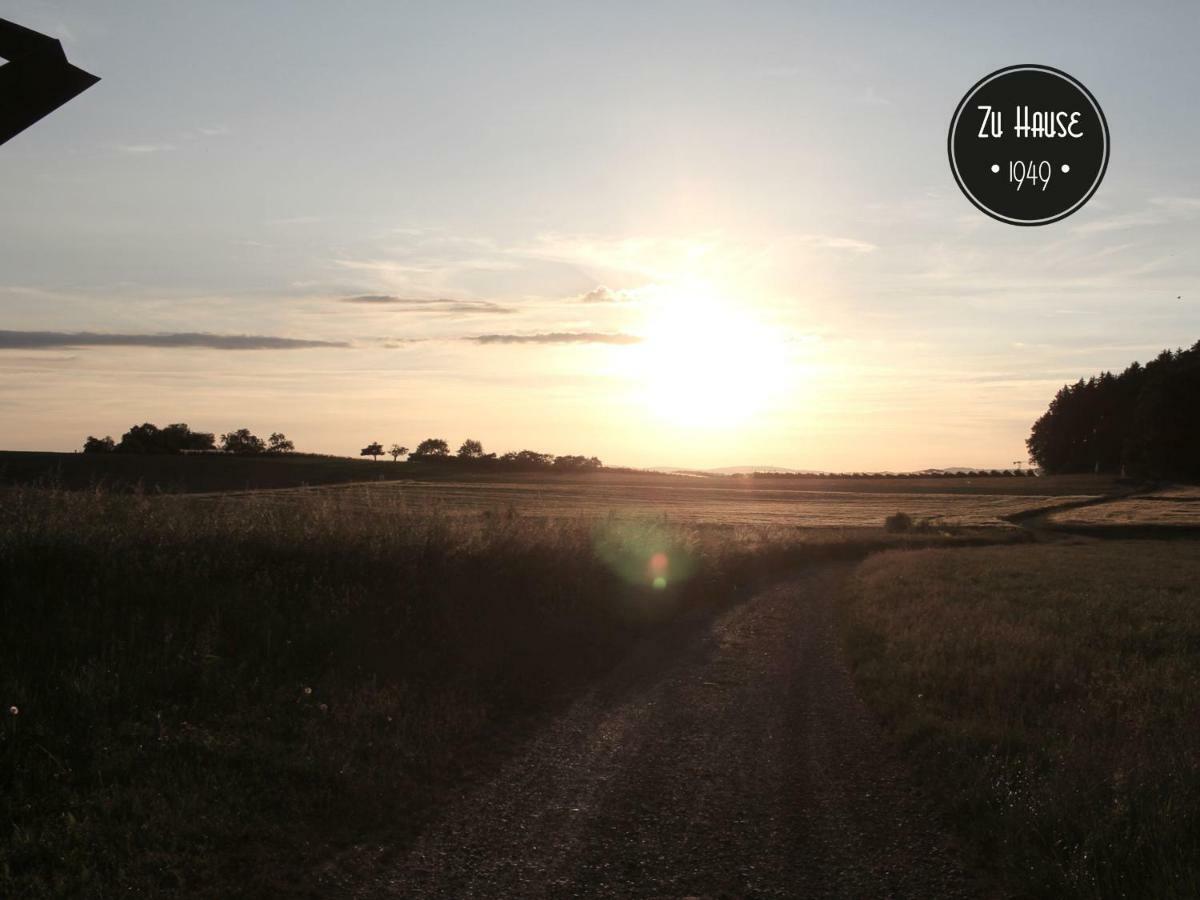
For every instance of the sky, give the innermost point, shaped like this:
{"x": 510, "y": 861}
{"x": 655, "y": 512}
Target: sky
{"x": 663, "y": 233}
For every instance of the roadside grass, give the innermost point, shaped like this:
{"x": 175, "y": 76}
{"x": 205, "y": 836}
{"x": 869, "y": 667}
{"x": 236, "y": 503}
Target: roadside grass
{"x": 1048, "y": 695}
{"x": 212, "y": 694}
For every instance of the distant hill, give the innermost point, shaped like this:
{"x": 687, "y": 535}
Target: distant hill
{"x": 746, "y": 470}
{"x": 730, "y": 470}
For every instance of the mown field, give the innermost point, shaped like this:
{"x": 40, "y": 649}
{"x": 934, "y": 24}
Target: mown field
{"x": 1172, "y": 508}
{"x": 694, "y": 502}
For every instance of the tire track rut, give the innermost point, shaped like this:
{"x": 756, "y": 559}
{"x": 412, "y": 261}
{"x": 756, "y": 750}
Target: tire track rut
{"x": 738, "y": 762}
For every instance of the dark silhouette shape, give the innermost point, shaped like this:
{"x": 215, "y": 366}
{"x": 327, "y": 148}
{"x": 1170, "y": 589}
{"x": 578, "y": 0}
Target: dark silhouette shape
{"x": 470, "y": 449}
{"x": 278, "y": 443}
{"x": 176, "y": 438}
{"x": 1142, "y": 421}
{"x": 372, "y": 450}
{"x": 36, "y": 80}
{"x": 242, "y": 442}
{"x": 431, "y": 447}
{"x": 396, "y": 451}
{"x": 98, "y": 445}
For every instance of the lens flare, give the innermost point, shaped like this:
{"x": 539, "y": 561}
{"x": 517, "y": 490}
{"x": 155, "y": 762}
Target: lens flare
{"x": 659, "y": 563}
{"x": 645, "y": 553}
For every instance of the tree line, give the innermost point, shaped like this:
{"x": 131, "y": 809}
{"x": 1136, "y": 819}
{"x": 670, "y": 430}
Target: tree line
{"x": 471, "y": 452}
{"x": 179, "y": 438}
{"x": 1144, "y": 421}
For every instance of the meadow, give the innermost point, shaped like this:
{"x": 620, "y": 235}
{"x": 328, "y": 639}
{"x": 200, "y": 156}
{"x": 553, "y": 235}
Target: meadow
{"x": 205, "y": 685}
{"x": 1047, "y": 694}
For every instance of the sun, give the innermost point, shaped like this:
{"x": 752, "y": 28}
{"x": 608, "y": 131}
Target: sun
{"x": 705, "y": 361}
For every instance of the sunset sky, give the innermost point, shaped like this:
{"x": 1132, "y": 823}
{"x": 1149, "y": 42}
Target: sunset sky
{"x": 692, "y": 234}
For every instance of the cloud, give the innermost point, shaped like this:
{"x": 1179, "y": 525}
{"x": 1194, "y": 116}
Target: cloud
{"x": 601, "y": 294}
{"x": 144, "y": 148}
{"x": 39, "y": 340}
{"x": 420, "y": 304}
{"x": 833, "y": 242}
{"x": 557, "y": 337}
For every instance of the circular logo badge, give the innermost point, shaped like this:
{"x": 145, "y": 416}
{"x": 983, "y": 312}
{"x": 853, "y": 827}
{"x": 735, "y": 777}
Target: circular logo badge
{"x": 1028, "y": 145}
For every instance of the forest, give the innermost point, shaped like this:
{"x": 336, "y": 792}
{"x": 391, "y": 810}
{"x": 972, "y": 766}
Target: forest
{"x": 1144, "y": 422}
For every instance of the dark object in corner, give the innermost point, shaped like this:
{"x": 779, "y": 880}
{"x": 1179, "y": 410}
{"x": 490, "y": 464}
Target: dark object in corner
{"x": 36, "y": 80}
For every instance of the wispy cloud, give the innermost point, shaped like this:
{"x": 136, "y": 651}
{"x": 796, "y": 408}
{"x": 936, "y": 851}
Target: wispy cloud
{"x": 141, "y": 149}
{"x": 557, "y": 337}
{"x": 38, "y": 340}
{"x": 835, "y": 242}
{"x": 601, "y": 294}
{"x": 435, "y": 304}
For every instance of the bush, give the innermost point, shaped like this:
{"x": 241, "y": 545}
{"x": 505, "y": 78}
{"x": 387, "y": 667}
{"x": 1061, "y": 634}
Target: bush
{"x": 898, "y": 523}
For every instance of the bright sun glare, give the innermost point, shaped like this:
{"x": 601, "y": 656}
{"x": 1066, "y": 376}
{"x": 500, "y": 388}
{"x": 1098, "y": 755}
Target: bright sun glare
{"x": 706, "y": 362}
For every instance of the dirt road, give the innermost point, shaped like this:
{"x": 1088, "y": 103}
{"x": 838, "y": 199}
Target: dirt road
{"x": 732, "y": 761}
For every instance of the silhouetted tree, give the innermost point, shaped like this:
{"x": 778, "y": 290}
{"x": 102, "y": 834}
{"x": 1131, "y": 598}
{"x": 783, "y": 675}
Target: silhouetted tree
{"x": 278, "y": 443}
{"x": 431, "y": 448}
{"x": 98, "y": 445}
{"x": 372, "y": 450}
{"x": 149, "y": 438}
{"x": 576, "y": 463}
{"x": 242, "y": 442}
{"x": 1141, "y": 420}
{"x": 397, "y": 451}
{"x": 470, "y": 449}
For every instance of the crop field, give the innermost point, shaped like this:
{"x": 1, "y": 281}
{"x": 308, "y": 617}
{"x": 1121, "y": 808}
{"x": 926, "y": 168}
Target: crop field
{"x": 363, "y": 647}
{"x": 679, "y": 501}
{"x": 1174, "y": 507}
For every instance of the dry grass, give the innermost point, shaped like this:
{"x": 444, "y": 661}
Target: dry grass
{"x": 686, "y": 503}
{"x": 1049, "y": 694}
{"x": 215, "y": 693}
{"x": 1173, "y": 507}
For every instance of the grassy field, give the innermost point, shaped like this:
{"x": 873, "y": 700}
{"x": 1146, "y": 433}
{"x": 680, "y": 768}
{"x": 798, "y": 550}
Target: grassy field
{"x": 209, "y": 473}
{"x": 1173, "y": 508}
{"x": 210, "y": 690}
{"x": 683, "y": 501}
{"x": 1049, "y": 696}
{"x": 122, "y": 472}
{"x": 208, "y": 685}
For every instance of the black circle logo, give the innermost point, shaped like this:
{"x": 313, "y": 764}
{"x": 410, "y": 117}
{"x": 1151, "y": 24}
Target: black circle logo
{"x": 1028, "y": 145}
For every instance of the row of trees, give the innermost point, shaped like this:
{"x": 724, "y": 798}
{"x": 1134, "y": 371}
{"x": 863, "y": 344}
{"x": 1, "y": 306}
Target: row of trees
{"x": 471, "y": 452}
{"x": 179, "y": 438}
{"x": 933, "y": 473}
{"x": 1144, "y": 421}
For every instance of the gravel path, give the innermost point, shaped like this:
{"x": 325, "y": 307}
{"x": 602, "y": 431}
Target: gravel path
{"x": 732, "y": 761}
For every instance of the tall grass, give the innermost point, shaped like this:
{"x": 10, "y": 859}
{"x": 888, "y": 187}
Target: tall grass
{"x": 211, "y": 693}
{"x": 1049, "y": 694}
